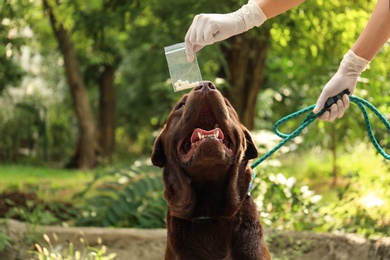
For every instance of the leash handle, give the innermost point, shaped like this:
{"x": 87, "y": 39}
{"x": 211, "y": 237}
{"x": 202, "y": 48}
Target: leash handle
{"x": 333, "y": 100}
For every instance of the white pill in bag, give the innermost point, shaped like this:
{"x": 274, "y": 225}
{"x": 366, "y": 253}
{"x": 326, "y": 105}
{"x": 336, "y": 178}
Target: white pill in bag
{"x": 183, "y": 74}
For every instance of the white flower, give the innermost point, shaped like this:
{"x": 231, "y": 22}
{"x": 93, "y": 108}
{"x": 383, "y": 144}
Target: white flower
{"x": 281, "y": 178}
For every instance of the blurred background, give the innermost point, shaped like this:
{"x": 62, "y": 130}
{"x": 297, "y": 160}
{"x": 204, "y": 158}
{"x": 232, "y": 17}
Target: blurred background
{"x": 85, "y": 89}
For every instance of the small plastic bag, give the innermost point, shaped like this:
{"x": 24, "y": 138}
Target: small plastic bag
{"x": 183, "y": 74}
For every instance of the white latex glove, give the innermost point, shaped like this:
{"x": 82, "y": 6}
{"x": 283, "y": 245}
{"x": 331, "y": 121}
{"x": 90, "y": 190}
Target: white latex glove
{"x": 346, "y": 77}
{"x": 207, "y": 29}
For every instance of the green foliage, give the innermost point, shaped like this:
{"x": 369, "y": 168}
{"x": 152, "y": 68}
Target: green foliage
{"x": 52, "y": 252}
{"x": 44, "y": 128}
{"x": 27, "y": 207}
{"x": 4, "y": 241}
{"x": 60, "y": 128}
{"x": 25, "y": 109}
{"x": 34, "y": 214}
{"x": 363, "y": 199}
{"x": 358, "y": 202}
{"x": 351, "y": 215}
{"x": 21, "y": 117}
{"x": 320, "y": 40}
{"x": 131, "y": 198}
{"x": 287, "y": 248}
{"x": 285, "y": 205}
{"x": 11, "y": 39}
{"x": 305, "y": 53}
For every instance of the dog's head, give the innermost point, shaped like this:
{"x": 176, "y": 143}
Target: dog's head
{"x": 203, "y": 144}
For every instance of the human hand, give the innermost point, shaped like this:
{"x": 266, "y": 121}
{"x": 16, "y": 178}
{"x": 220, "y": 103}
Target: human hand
{"x": 207, "y": 29}
{"x": 346, "y": 77}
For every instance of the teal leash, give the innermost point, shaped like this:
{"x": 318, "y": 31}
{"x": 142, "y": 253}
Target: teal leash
{"x": 361, "y": 103}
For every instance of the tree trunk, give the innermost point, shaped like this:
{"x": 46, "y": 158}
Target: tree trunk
{"x": 246, "y": 57}
{"x": 107, "y": 111}
{"x": 85, "y": 155}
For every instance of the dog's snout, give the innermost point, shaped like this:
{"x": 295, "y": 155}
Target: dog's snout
{"x": 205, "y": 86}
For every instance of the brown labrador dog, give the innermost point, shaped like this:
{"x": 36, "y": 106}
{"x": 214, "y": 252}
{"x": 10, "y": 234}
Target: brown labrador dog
{"x": 205, "y": 150}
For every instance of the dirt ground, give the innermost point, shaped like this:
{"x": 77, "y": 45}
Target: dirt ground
{"x": 149, "y": 244}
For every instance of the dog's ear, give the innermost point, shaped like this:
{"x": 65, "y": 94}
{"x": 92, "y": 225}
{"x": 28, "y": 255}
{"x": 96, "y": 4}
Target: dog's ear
{"x": 251, "y": 150}
{"x": 158, "y": 155}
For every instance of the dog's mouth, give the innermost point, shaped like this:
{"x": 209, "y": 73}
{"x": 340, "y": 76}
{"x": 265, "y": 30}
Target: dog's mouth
{"x": 207, "y": 132}
{"x": 199, "y": 134}
{"x": 213, "y": 137}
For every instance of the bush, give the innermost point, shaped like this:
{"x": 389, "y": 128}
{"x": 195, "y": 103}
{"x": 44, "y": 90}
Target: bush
{"x": 28, "y": 207}
{"x": 284, "y": 205}
{"x": 362, "y": 202}
{"x": 359, "y": 202}
{"x": 17, "y": 125}
{"x": 133, "y": 197}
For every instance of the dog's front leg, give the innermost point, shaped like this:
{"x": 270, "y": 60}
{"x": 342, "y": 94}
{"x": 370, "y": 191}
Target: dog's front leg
{"x": 169, "y": 255}
{"x": 249, "y": 242}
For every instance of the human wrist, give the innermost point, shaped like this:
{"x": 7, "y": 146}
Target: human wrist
{"x": 256, "y": 16}
{"x": 248, "y": 16}
{"x": 353, "y": 64}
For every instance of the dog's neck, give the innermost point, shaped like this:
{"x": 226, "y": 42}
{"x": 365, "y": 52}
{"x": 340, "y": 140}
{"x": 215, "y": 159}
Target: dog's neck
{"x": 211, "y": 198}
{"x": 219, "y": 198}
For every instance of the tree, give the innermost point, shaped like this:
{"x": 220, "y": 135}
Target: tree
{"x": 118, "y": 52}
{"x": 96, "y": 30}
{"x": 87, "y": 146}
{"x": 246, "y": 55}
{"x": 101, "y": 32}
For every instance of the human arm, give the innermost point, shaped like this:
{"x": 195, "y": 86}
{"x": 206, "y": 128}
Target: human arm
{"x": 272, "y": 8}
{"x": 370, "y": 41}
{"x": 207, "y": 29}
{"x": 378, "y": 28}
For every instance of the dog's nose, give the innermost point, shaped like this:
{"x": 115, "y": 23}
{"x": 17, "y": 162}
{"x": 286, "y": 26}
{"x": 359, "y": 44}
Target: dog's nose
{"x": 205, "y": 86}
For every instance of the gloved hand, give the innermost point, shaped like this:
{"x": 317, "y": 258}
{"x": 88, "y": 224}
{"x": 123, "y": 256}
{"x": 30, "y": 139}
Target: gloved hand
{"x": 210, "y": 28}
{"x": 345, "y": 78}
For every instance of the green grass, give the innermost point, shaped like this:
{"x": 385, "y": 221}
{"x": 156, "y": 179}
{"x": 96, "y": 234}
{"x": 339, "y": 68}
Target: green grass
{"x": 46, "y": 182}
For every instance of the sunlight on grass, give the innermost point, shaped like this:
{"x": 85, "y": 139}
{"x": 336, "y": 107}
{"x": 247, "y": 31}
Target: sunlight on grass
{"x": 58, "y": 183}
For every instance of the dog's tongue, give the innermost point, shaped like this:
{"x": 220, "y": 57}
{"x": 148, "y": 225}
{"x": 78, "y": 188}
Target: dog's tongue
{"x": 200, "y": 134}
